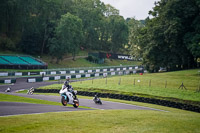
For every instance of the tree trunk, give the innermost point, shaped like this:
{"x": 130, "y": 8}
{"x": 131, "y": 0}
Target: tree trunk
{"x": 44, "y": 39}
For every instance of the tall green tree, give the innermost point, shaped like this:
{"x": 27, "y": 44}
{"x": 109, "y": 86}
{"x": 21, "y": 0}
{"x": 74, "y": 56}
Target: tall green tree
{"x": 91, "y": 13}
{"x": 166, "y": 36}
{"x": 69, "y": 35}
{"x": 119, "y": 33}
{"x": 133, "y": 47}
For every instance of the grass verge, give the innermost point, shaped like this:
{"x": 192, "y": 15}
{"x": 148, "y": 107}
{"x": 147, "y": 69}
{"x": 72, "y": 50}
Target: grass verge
{"x": 149, "y": 85}
{"x": 12, "y": 98}
{"x": 104, "y": 121}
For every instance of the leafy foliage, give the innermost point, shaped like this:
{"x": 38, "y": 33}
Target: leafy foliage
{"x": 171, "y": 38}
{"x": 46, "y": 27}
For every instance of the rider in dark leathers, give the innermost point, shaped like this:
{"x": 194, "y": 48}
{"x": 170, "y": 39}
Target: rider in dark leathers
{"x": 69, "y": 87}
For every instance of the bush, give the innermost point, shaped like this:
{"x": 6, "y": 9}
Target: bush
{"x": 92, "y": 59}
{"x": 6, "y": 44}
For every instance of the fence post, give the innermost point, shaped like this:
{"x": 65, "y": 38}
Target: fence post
{"x": 150, "y": 83}
{"x": 166, "y": 84}
{"x": 119, "y": 81}
{"x": 198, "y": 88}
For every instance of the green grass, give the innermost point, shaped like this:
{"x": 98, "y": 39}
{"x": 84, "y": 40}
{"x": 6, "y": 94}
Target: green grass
{"x": 104, "y": 121}
{"x": 81, "y": 62}
{"x": 144, "y": 88}
{"x": 12, "y": 98}
{"x": 69, "y": 63}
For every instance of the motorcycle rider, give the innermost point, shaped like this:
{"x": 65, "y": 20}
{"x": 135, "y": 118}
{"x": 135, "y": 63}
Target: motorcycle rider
{"x": 96, "y": 99}
{"x": 69, "y": 87}
{"x": 66, "y": 83}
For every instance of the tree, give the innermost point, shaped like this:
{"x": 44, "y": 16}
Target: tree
{"x": 119, "y": 33}
{"x": 69, "y": 34}
{"x": 133, "y": 47}
{"x": 167, "y": 35}
{"x": 91, "y": 13}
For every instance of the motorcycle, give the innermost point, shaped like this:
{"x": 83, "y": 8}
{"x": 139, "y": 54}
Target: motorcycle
{"x": 30, "y": 91}
{"x": 68, "y": 97}
{"x": 97, "y": 100}
{"x": 8, "y": 89}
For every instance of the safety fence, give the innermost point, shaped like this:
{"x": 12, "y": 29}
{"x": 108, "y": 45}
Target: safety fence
{"x": 83, "y": 75}
{"x": 71, "y": 71}
{"x": 8, "y": 81}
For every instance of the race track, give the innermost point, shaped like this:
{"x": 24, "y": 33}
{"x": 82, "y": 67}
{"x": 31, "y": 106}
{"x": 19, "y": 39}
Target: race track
{"x": 12, "y": 108}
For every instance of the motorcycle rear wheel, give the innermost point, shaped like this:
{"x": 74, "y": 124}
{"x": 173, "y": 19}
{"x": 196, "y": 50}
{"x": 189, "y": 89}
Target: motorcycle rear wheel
{"x": 63, "y": 101}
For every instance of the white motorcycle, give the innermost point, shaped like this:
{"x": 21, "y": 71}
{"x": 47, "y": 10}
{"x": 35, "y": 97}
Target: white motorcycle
{"x": 68, "y": 97}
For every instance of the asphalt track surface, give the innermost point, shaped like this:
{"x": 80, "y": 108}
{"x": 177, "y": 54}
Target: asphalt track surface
{"x": 14, "y": 108}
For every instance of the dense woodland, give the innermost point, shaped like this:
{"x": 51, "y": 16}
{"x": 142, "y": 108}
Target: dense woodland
{"x": 169, "y": 38}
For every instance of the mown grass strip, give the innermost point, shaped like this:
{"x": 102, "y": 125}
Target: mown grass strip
{"x": 104, "y": 121}
{"x": 12, "y": 98}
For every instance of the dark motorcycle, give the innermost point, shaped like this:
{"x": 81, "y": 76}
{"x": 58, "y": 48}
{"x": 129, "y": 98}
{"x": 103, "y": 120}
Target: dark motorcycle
{"x": 97, "y": 100}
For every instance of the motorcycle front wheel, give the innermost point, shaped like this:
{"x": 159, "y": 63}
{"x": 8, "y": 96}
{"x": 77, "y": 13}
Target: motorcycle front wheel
{"x": 63, "y": 101}
{"x": 76, "y": 103}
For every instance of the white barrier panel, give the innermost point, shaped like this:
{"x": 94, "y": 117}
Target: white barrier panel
{"x": 87, "y": 75}
{"x": 81, "y": 71}
{"x": 45, "y": 78}
{"x": 68, "y": 76}
{"x": 118, "y": 69}
{"x": 124, "y": 68}
{"x": 42, "y": 73}
{"x": 111, "y": 69}
{"x": 97, "y": 70}
{"x": 130, "y": 68}
{"x": 89, "y": 71}
{"x": 105, "y": 74}
{"x": 7, "y": 81}
{"x": 3, "y": 74}
{"x": 53, "y": 73}
{"x": 72, "y": 71}
{"x": 96, "y": 75}
{"x": 29, "y": 73}
{"x": 78, "y": 76}
{"x": 136, "y": 67}
{"x": 62, "y": 72}
{"x": 56, "y": 77}
{"x": 105, "y": 70}
{"x": 112, "y": 73}
{"x": 18, "y": 74}
{"x": 120, "y": 73}
{"x": 31, "y": 80}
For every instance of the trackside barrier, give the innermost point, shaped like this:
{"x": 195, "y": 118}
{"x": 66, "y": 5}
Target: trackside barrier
{"x": 46, "y": 78}
{"x": 73, "y": 71}
{"x": 8, "y": 81}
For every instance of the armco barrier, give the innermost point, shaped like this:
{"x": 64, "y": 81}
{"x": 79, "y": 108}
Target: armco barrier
{"x": 132, "y": 98}
{"x": 73, "y": 71}
{"x": 8, "y": 81}
{"x": 45, "y": 78}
